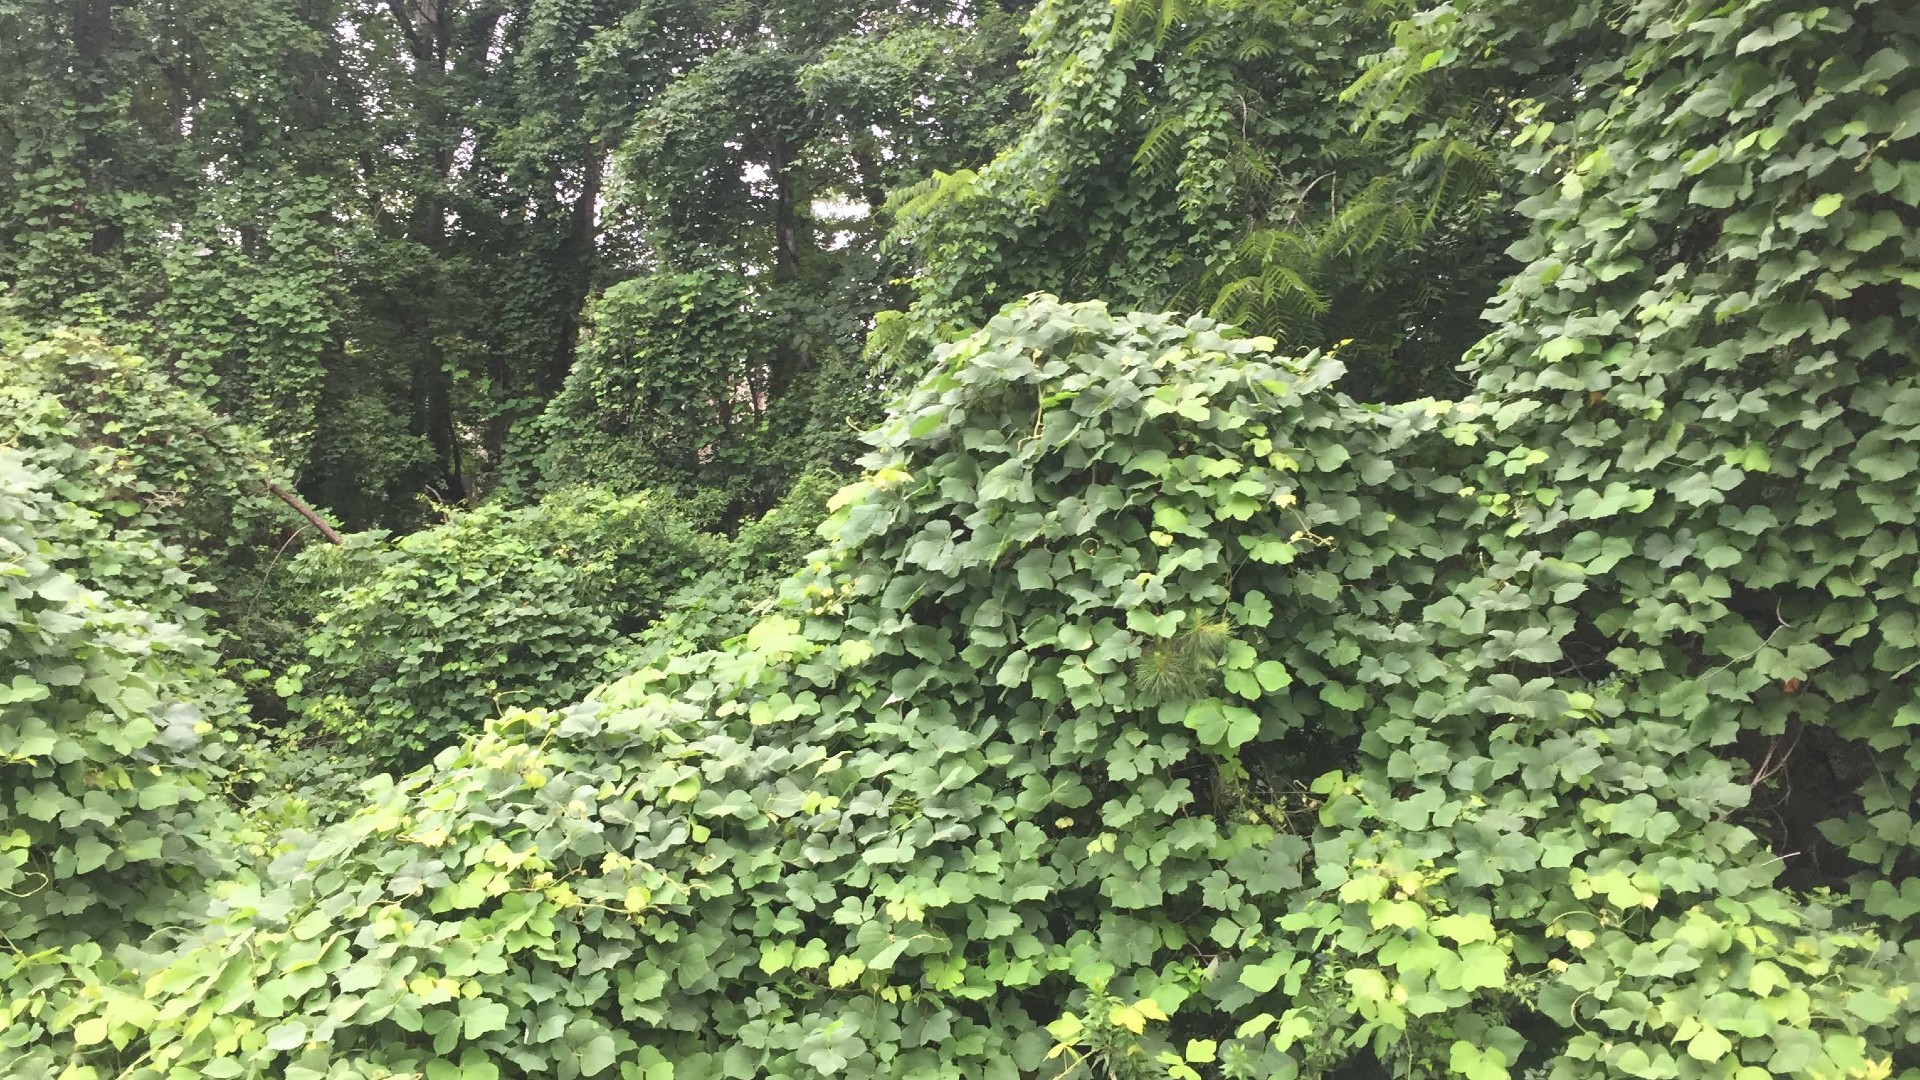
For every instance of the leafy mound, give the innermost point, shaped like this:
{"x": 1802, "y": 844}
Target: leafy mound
{"x": 686, "y": 385}
{"x": 1008, "y": 781}
{"x": 416, "y": 643}
{"x": 839, "y": 839}
{"x": 727, "y": 600}
{"x": 108, "y": 709}
{"x": 162, "y": 459}
{"x": 113, "y": 485}
{"x": 102, "y": 719}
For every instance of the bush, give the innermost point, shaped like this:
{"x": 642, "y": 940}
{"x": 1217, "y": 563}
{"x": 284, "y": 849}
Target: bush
{"x": 109, "y": 742}
{"x": 166, "y": 462}
{"x": 1154, "y": 710}
{"x": 104, "y": 718}
{"x": 681, "y": 387}
{"x": 654, "y": 401}
{"x": 417, "y": 642}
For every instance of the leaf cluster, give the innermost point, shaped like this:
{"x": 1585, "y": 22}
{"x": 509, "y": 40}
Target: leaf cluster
{"x": 415, "y": 643}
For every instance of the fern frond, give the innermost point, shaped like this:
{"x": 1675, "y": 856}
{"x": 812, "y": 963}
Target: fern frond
{"x": 1135, "y": 20}
{"x": 918, "y": 199}
{"x": 1161, "y": 143}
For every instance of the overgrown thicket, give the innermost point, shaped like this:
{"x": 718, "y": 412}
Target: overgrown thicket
{"x": 112, "y": 711}
{"x": 1158, "y": 701}
{"x": 370, "y": 230}
{"x": 1222, "y": 157}
{"x": 416, "y": 643}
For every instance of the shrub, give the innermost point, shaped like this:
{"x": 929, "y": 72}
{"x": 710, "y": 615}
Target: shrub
{"x": 727, "y": 600}
{"x": 109, "y": 739}
{"x": 166, "y": 462}
{"x": 104, "y": 717}
{"x": 418, "y": 641}
{"x": 1153, "y": 709}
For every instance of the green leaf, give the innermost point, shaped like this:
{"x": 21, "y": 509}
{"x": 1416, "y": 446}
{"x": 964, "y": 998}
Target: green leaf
{"x": 844, "y": 970}
{"x": 89, "y": 854}
{"x": 1220, "y": 724}
{"x": 481, "y": 1017}
{"x": 1871, "y": 1006}
{"x": 1263, "y": 977}
{"x": 89, "y": 1031}
{"x": 776, "y": 957}
{"x": 1475, "y": 1062}
{"x": 287, "y": 1035}
{"x": 1709, "y": 1045}
{"x": 597, "y": 1054}
{"x": 1272, "y": 675}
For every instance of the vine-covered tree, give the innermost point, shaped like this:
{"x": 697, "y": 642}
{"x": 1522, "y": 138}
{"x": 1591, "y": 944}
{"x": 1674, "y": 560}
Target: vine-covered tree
{"x": 1210, "y": 155}
{"x": 371, "y": 229}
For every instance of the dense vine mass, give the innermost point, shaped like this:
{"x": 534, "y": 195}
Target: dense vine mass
{"x": 1470, "y": 631}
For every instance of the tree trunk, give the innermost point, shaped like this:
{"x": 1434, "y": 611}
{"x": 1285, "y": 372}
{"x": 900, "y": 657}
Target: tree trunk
{"x": 92, "y": 40}
{"x": 786, "y": 215}
{"x": 790, "y": 356}
{"x": 300, "y": 506}
{"x": 577, "y": 262}
{"x": 426, "y": 27}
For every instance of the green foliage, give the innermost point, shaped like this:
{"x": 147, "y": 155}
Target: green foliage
{"x": 838, "y": 832}
{"x": 164, "y": 460}
{"x": 162, "y": 466}
{"x": 369, "y": 231}
{"x": 726, "y": 602}
{"x": 103, "y": 719}
{"x": 206, "y": 243}
{"x": 1708, "y": 346}
{"x": 108, "y": 737}
{"x": 924, "y": 819}
{"x": 1203, "y": 155}
{"x": 729, "y": 359}
{"x": 919, "y": 96}
{"x": 778, "y": 542}
{"x": 285, "y": 779}
{"x": 670, "y": 391}
{"x": 1154, "y": 709}
{"x": 417, "y": 642}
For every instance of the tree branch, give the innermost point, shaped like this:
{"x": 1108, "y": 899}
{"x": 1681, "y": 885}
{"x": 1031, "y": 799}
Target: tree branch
{"x": 407, "y": 29}
{"x": 306, "y": 511}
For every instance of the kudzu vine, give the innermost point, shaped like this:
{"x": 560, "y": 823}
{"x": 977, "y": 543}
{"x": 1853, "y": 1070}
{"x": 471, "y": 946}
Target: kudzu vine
{"x": 1154, "y": 708}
